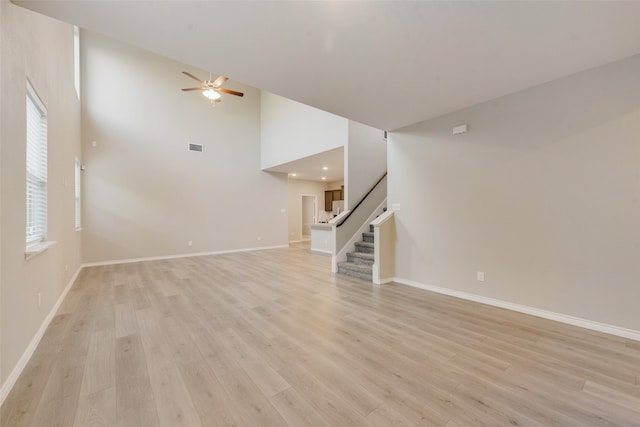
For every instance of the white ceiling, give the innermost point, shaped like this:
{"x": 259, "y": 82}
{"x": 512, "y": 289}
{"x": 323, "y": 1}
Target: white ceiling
{"x": 387, "y": 64}
{"x": 312, "y": 168}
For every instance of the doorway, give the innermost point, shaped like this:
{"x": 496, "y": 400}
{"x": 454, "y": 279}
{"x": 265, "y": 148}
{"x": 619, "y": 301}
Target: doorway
{"x": 308, "y": 215}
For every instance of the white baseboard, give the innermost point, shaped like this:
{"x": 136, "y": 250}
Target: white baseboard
{"x": 28, "y": 352}
{"x": 558, "y": 317}
{"x": 321, "y": 252}
{"x": 163, "y": 257}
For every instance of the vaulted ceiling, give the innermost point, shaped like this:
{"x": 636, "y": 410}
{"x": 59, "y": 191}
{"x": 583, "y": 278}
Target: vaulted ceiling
{"x": 387, "y": 64}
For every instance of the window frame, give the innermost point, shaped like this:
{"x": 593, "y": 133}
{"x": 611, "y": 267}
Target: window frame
{"x": 78, "y": 194}
{"x": 36, "y": 169}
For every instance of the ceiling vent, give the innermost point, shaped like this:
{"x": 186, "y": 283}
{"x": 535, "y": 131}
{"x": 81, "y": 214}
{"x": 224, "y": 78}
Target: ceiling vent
{"x": 195, "y": 147}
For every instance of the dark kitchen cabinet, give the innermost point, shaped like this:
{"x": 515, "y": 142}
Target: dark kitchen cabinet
{"x": 328, "y": 201}
{"x": 330, "y": 196}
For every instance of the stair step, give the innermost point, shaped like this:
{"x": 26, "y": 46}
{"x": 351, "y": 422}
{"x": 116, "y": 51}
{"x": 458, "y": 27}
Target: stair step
{"x": 360, "y": 258}
{"x": 363, "y": 272}
{"x": 367, "y": 237}
{"x": 365, "y": 247}
{"x": 371, "y": 228}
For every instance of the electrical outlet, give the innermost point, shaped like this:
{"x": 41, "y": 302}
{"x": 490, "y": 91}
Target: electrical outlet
{"x": 39, "y": 299}
{"x": 259, "y": 238}
{"x": 480, "y": 276}
{"x": 190, "y": 243}
{"x": 66, "y": 267}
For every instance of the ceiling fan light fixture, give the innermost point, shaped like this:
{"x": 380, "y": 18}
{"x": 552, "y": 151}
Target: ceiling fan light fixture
{"x": 211, "y": 89}
{"x": 211, "y": 94}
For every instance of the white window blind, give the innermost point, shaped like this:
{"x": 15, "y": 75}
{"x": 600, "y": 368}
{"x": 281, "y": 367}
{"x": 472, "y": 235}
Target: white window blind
{"x": 78, "y": 211}
{"x": 36, "y": 168}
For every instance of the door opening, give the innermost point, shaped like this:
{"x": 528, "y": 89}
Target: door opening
{"x": 308, "y": 215}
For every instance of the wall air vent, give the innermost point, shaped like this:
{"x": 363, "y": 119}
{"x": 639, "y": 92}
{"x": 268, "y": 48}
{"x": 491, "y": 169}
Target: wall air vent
{"x": 195, "y": 147}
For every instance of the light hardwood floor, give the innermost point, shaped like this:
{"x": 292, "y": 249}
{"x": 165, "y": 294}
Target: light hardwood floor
{"x": 271, "y": 338}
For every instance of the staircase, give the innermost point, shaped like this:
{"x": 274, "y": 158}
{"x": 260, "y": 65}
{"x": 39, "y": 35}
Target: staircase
{"x": 360, "y": 263}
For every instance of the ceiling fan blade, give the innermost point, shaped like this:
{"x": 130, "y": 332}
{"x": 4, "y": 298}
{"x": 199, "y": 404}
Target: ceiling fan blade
{"x": 230, "y": 92}
{"x": 219, "y": 81}
{"x": 192, "y": 76}
{"x": 192, "y": 88}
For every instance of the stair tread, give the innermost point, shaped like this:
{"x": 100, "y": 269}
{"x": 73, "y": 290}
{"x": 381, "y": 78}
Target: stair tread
{"x": 356, "y": 267}
{"x": 363, "y": 255}
{"x": 367, "y": 244}
{"x": 368, "y": 233}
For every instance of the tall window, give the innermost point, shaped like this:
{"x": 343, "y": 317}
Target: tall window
{"x": 78, "y": 211}
{"x": 76, "y": 60}
{"x": 36, "y": 168}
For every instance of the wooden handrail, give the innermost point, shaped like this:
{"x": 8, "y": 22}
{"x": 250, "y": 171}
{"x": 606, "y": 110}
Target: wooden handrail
{"x": 361, "y": 200}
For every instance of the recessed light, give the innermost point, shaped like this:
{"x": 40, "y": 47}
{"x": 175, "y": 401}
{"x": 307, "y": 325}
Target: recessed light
{"x": 294, "y": 174}
{"x": 326, "y": 168}
{"x": 324, "y": 177}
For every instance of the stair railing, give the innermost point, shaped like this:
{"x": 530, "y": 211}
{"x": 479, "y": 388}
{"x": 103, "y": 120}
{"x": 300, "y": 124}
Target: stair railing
{"x": 348, "y": 226}
{"x": 344, "y": 218}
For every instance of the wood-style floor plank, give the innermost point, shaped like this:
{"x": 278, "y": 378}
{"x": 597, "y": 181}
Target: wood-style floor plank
{"x": 272, "y": 338}
{"x": 253, "y": 406}
{"x": 207, "y": 393}
{"x": 175, "y": 407}
{"x": 296, "y": 410}
{"x": 97, "y": 409}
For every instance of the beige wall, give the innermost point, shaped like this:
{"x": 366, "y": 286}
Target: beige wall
{"x": 291, "y": 130}
{"x": 384, "y": 267}
{"x": 146, "y": 194}
{"x": 365, "y": 161}
{"x": 543, "y": 195}
{"x": 41, "y": 49}
{"x": 2, "y": 378}
{"x": 334, "y": 185}
{"x": 298, "y": 187}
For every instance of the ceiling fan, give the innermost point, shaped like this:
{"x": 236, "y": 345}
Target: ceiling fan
{"x": 211, "y": 88}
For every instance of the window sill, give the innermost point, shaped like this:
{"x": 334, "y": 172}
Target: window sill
{"x": 37, "y": 248}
